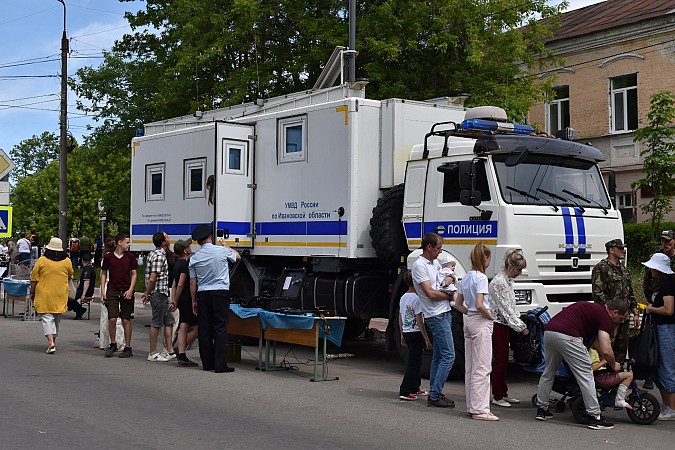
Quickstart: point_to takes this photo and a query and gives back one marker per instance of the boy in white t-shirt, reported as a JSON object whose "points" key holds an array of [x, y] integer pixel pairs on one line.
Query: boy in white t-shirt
{"points": [[414, 336]]}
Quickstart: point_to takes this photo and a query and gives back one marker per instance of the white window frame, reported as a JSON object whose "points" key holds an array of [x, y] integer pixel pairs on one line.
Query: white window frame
{"points": [[622, 197], [150, 170], [188, 166], [282, 126], [624, 94], [557, 104], [227, 145]]}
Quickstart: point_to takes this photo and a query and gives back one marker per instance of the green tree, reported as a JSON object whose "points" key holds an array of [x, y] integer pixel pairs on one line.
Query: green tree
{"points": [[34, 154], [35, 196], [658, 139]]}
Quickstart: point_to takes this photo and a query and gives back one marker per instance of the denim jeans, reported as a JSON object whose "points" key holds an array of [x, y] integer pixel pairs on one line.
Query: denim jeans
{"points": [[443, 352], [666, 371]]}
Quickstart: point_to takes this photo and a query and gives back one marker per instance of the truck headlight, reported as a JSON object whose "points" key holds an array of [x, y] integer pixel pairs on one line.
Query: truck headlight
{"points": [[523, 297]]}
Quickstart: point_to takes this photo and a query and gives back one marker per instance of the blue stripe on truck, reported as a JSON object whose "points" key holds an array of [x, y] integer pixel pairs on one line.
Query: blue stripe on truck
{"points": [[303, 228]]}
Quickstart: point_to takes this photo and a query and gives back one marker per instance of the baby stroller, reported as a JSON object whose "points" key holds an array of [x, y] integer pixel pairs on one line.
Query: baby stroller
{"points": [[645, 406]]}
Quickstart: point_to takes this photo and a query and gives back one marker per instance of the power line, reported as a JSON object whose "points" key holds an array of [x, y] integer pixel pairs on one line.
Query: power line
{"points": [[28, 98], [4, 66], [29, 15], [13, 77], [99, 32]]}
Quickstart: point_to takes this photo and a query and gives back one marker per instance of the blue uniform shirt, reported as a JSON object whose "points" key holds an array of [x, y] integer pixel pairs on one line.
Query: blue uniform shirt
{"points": [[209, 266]]}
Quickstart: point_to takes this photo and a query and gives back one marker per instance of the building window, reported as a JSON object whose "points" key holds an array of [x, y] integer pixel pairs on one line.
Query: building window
{"points": [[625, 200], [154, 182], [235, 158], [624, 105], [558, 110], [194, 177], [292, 139]]}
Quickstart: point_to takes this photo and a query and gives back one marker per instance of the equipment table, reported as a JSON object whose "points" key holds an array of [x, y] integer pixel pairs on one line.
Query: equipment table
{"points": [[273, 327]]}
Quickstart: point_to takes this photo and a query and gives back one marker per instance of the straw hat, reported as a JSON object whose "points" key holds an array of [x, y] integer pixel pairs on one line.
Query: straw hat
{"points": [[659, 262], [55, 244]]}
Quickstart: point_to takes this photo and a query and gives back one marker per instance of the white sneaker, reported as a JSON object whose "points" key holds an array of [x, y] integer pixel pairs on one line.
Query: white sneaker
{"points": [[156, 357], [667, 414], [168, 356], [513, 401], [501, 402]]}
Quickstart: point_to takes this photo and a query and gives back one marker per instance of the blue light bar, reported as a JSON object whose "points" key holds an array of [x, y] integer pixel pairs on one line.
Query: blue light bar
{"points": [[499, 127]]}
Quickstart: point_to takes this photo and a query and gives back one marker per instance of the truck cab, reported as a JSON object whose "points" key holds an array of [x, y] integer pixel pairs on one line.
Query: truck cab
{"points": [[510, 189]]}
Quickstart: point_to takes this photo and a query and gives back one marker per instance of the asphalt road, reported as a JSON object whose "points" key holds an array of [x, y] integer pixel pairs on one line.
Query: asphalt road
{"points": [[79, 399]]}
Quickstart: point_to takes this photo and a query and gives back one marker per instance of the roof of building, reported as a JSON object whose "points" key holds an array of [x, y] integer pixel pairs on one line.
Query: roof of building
{"points": [[609, 14]]}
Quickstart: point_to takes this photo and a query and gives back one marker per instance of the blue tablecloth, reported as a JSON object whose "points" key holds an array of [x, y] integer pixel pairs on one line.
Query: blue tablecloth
{"points": [[290, 321], [17, 288]]}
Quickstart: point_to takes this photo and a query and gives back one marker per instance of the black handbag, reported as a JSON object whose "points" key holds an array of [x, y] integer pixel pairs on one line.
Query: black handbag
{"points": [[644, 349]]}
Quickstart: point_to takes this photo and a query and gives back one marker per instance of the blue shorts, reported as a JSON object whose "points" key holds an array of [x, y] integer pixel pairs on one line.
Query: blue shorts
{"points": [[666, 372]]}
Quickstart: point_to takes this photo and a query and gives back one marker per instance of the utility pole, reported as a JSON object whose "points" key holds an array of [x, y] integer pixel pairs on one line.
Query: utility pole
{"points": [[63, 153]]}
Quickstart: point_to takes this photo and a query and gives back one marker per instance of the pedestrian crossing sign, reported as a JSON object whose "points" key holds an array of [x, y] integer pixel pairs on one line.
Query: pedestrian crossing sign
{"points": [[5, 221]]}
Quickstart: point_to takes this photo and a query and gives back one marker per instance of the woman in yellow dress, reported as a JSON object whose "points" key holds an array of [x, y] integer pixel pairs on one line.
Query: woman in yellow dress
{"points": [[49, 288]]}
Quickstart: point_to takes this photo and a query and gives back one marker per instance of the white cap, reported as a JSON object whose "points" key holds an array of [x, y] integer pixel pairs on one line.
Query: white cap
{"points": [[659, 262], [444, 258]]}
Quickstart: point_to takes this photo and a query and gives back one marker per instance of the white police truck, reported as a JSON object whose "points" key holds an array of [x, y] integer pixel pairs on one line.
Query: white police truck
{"points": [[326, 192]]}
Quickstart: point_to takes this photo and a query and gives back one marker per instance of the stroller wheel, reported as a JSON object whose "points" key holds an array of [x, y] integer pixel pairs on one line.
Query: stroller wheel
{"points": [[579, 411], [534, 400], [560, 406]]}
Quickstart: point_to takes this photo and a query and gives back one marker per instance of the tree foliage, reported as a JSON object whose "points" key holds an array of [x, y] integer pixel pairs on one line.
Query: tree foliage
{"points": [[34, 154], [658, 151]]}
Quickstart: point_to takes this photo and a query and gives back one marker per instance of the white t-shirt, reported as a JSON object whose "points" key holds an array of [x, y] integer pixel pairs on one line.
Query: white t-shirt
{"points": [[425, 270], [474, 283], [409, 307], [24, 245]]}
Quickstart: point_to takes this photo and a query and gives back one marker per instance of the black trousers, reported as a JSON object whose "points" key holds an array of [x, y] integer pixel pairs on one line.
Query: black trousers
{"points": [[213, 307], [412, 380]]}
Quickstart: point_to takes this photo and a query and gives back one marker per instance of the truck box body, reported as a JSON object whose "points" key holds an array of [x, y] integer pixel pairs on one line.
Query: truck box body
{"points": [[314, 202]]}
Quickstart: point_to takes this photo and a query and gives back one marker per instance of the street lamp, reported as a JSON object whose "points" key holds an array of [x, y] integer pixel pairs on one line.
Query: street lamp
{"points": [[63, 153]]}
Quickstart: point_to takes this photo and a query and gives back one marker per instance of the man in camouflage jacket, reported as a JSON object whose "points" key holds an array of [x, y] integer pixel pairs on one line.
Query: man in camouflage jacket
{"points": [[611, 279]]}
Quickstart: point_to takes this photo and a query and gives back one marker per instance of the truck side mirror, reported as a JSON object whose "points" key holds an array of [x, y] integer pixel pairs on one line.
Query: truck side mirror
{"points": [[467, 172], [470, 197]]}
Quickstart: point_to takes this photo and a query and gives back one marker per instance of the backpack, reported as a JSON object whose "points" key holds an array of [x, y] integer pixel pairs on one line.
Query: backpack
{"points": [[74, 245]]}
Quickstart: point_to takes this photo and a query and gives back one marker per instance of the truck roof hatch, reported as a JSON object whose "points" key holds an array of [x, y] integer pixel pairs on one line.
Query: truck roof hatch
{"points": [[510, 144]]}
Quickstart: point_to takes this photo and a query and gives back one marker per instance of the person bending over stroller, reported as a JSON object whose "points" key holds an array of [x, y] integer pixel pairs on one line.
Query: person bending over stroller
{"points": [[564, 339], [606, 378]]}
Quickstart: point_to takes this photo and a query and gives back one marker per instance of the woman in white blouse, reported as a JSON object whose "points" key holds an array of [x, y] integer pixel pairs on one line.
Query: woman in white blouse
{"points": [[473, 294], [503, 308]]}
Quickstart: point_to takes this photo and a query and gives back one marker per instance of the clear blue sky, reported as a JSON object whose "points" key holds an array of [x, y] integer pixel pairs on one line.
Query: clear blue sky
{"points": [[30, 45]]}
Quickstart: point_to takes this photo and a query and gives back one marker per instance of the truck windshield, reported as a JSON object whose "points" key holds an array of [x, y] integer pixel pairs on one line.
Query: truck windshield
{"points": [[554, 175]]}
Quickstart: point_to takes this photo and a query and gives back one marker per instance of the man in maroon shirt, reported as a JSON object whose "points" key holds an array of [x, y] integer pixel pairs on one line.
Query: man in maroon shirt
{"points": [[119, 269], [564, 339]]}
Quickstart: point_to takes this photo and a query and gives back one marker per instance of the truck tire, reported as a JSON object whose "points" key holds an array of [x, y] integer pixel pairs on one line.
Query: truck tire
{"points": [[241, 287], [386, 228]]}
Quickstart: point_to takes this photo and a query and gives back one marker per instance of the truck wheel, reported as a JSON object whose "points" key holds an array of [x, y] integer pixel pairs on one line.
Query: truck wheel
{"points": [[386, 228], [354, 328]]}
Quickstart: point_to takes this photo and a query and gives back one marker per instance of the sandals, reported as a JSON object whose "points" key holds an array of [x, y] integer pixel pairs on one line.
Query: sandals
{"points": [[485, 416], [51, 350]]}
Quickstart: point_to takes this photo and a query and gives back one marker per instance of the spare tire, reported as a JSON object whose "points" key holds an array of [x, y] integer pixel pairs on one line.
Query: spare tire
{"points": [[386, 228]]}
